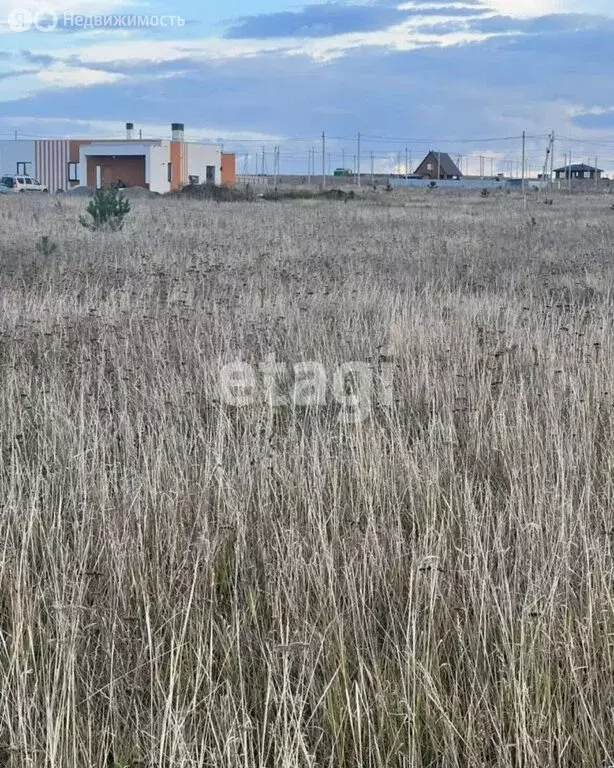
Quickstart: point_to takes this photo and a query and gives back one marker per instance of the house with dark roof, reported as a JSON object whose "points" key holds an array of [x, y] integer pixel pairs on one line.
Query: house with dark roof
{"points": [[438, 165], [578, 171]]}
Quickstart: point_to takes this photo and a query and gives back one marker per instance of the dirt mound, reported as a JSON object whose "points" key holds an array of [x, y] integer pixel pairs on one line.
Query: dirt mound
{"points": [[81, 191], [137, 192]]}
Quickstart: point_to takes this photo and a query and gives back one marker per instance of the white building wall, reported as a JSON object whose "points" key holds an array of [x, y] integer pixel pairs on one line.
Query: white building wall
{"points": [[156, 167], [202, 155], [13, 152]]}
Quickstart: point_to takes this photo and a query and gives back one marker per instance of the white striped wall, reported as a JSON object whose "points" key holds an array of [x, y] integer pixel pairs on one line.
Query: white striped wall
{"points": [[51, 159]]}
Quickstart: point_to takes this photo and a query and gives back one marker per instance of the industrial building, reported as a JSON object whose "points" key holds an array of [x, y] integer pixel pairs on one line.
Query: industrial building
{"points": [[160, 165]]}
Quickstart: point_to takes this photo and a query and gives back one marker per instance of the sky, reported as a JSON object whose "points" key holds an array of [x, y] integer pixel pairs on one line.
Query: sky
{"points": [[462, 76]]}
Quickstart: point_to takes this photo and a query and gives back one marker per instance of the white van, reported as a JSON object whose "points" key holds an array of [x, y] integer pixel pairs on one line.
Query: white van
{"points": [[21, 184]]}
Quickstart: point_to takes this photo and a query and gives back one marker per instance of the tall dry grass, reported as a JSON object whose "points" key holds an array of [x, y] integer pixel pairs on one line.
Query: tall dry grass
{"points": [[187, 584]]}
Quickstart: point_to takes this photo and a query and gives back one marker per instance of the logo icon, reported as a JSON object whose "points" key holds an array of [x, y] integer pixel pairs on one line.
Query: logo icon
{"points": [[45, 20], [23, 20], [20, 20]]}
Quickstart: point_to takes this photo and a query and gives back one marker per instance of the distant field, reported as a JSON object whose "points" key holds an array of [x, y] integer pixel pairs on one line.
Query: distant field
{"points": [[184, 582]]}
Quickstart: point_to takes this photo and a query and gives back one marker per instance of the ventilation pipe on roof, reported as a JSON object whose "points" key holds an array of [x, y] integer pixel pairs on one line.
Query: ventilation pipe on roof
{"points": [[129, 129], [177, 131]]}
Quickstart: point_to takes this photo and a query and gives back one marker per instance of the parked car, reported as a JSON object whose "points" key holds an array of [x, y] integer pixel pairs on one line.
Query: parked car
{"points": [[21, 184]]}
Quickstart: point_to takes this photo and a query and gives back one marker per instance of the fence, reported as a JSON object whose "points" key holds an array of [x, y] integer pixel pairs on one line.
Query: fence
{"points": [[398, 183]]}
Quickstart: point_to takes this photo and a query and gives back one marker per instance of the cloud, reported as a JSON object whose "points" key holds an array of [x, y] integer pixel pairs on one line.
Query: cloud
{"points": [[551, 23], [61, 76], [322, 20], [17, 73], [598, 118], [42, 59], [107, 129], [329, 19], [528, 8], [442, 28], [494, 87]]}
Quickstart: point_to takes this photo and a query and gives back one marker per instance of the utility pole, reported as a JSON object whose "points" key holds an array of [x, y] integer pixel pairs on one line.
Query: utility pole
{"points": [[343, 159], [566, 167], [323, 159], [438, 166], [372, 170], [277, 152], [552, 163], [406, 162], [524, 155], [358, 160], [569, 174], [596, 174]]}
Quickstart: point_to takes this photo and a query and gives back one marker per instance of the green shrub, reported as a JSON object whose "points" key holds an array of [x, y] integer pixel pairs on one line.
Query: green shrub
{"points": [[107, 209]]}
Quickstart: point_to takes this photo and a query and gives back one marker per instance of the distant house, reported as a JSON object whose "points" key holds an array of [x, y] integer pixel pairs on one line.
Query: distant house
{"points": [[438, 165], [578, 171]]}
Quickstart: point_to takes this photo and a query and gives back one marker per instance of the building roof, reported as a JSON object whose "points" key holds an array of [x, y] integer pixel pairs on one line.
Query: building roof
{"points": [[578, 167], [447, 166]]}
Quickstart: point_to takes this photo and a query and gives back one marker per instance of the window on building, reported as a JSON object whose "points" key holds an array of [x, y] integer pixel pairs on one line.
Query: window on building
{"points": [[194, 179], [22, 169], [210, 174], [170, 172], [429, 166], [73, 172]]}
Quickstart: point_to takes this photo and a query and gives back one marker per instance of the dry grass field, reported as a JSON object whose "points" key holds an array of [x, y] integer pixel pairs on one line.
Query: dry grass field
{"points": [[187, 583]]}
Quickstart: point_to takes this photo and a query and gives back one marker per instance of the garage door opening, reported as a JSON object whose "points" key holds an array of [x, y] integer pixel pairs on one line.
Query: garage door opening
{"points": [[128, 170]]}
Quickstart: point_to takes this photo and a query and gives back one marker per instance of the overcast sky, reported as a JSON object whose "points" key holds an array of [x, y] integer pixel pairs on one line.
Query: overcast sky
{"points": [[454, 75]]}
